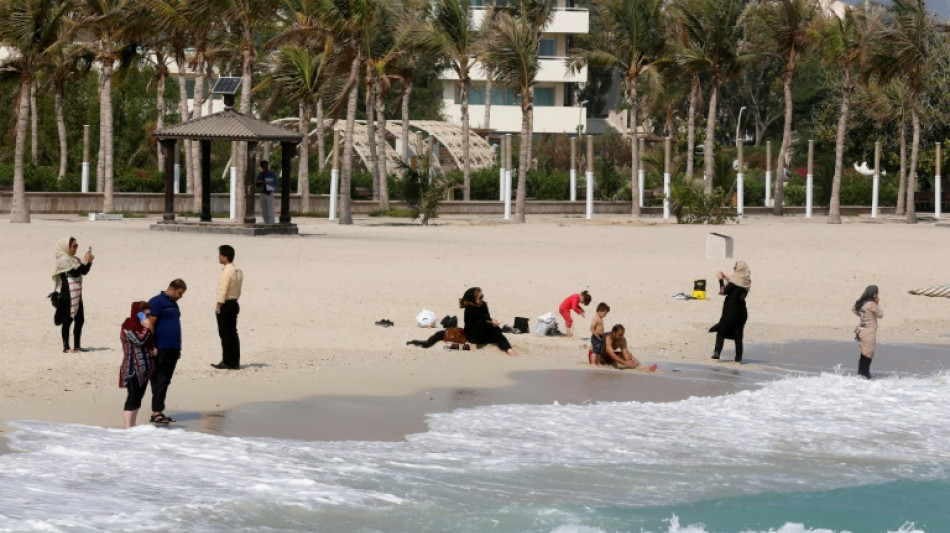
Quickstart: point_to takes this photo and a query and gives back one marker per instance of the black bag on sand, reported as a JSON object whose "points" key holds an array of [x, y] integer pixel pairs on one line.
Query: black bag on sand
{"points": [[450, 322], [521, 324]]}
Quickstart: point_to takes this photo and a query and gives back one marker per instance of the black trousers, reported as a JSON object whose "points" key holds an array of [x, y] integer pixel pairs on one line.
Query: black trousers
{"points": [[227, 330], [162, 376], [719, 342], [864, 366], [133, 400], [77, 323]]}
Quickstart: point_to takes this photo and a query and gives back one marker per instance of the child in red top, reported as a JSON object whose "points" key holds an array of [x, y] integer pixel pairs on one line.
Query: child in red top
{"points": [[572, 303]]}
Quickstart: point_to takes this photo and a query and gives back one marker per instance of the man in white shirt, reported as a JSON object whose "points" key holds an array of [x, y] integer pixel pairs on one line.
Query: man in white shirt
{"points": [[229, 290]]}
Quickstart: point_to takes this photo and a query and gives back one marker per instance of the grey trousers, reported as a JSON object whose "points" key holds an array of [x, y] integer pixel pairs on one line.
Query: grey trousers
{"points": [[267, 208]]}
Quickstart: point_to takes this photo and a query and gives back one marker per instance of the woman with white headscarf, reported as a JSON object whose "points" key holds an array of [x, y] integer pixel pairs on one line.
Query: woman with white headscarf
{"points": [[67, 282], [734, 313]]}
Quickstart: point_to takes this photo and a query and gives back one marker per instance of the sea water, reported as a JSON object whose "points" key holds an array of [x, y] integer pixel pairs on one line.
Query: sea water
{"points": [[827, 453]]}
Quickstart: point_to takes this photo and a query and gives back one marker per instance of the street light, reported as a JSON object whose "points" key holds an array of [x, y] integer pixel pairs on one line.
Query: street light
{"points": [[739, 123], [580, 109]]}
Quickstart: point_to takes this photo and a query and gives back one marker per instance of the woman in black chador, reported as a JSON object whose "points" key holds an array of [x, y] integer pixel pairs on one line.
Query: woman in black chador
{"points": [[480, 328], [734, 314]]}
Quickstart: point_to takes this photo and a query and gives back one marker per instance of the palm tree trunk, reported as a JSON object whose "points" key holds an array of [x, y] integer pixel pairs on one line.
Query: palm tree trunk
{"points": [[368, 103], [786, 142], [523, 155], [196, 111], [106, 131], [34, 127], [834, 207], [160, 108], [912, 175], [303, 164], [183, 109], [321, 138], [902, 180], [381, 148], [488, 88], [691, 128], [466, 164], [61, 133], [247, 68], [19, 209], [709, 149], [633, 102], [346, 215], [406, 95]]}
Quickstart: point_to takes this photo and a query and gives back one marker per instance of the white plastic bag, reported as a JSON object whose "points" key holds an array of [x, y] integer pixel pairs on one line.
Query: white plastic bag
{"points": [[546, 323], [425, 319]]}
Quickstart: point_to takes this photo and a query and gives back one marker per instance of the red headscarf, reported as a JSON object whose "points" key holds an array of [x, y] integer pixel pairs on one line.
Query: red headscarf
{"points": [[133, 322]]}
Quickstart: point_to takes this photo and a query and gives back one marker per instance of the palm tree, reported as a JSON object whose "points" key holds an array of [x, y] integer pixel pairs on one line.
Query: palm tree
{"points": [[780, 28], [66, 65], [904, 49], [633, 40], [512, 45], [31, 29], [301, 77], [713, 31], [112, 25], [844, 44], [887, 105], [453, 37]]}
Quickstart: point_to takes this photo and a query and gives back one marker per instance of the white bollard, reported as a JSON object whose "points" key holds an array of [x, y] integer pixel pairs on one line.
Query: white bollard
{"points": [[334, 191], [573, 184], [507, 191], [809, 184], [85, 176], [740, 194], [666, 195], [590, 194], [233, 193], [768, 188], [937, 194], [876, 180], [501, 184], [641, 178]]}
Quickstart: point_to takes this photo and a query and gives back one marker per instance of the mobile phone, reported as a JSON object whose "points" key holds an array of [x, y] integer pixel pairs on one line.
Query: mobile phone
{"points": [[90, 249], [141, 316]]}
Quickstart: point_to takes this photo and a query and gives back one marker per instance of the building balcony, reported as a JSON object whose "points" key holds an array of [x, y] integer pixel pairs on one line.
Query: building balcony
{"points": [[507, 118], [568, 20], [552, 70]]}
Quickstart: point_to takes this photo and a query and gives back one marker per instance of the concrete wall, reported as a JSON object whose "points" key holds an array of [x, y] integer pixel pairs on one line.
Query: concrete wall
{"points": [[154, 204]]}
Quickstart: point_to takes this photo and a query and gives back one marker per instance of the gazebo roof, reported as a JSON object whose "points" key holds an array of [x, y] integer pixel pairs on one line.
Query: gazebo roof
{"points": [[227, 125]]}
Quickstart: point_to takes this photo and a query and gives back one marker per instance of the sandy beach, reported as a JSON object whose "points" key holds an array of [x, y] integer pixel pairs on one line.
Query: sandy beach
{"points": [[310, 302]]}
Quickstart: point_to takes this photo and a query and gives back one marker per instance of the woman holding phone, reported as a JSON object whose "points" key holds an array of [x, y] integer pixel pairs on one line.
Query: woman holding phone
{"points": [[67, 281]]}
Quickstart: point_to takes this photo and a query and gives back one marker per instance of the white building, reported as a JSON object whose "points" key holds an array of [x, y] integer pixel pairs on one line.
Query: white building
{"points": [[554, 111]]}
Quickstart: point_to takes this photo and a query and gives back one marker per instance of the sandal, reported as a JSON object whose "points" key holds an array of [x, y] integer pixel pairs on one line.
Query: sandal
{"points": [[161, 419]]}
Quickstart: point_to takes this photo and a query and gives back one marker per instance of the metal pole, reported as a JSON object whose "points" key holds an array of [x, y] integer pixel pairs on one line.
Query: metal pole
{"points": [[573, 169], [507, 187], [768, 173], [666, 177], [85, 158], [809, 179], [502, 157], [335, 176], [740, 182], [233, 192], [876, 180], [938, 196], [177, 171], [590, 176]]}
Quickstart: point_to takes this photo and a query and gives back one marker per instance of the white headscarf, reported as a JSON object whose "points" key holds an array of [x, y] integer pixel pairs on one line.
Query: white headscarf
{"points": [[65, 260], [741, 275]]}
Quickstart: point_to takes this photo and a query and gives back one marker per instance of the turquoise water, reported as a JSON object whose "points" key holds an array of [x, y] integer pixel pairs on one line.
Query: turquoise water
{"points": [[829, 453]]}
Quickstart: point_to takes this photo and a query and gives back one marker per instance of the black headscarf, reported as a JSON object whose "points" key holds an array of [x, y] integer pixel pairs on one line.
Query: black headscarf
{"points": [[469, 297], [868, 295]]}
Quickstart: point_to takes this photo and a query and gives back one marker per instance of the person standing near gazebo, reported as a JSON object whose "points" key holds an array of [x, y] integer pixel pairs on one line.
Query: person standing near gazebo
{"points": [[267, 184]]}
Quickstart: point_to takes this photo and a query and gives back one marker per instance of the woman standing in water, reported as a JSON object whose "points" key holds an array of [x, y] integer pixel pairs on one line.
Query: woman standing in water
{"points": [[869, 310], [734, 313]]}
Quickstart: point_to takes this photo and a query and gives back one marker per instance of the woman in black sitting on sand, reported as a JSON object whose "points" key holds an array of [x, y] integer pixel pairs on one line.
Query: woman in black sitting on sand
{"points": [[480, 328]]}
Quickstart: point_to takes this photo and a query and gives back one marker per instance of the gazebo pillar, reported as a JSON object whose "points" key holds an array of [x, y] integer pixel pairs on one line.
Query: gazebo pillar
{"points": [[168, 145], [205, 180], [287, 152], [250, 183]]}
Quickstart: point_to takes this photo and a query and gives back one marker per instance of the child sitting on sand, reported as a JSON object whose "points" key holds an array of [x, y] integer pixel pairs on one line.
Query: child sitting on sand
{"points": [[616, 353], [572, 303], [597, 333]]}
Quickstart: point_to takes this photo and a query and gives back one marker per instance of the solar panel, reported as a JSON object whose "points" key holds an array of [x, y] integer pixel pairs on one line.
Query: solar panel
{"points": [[226, 85]]}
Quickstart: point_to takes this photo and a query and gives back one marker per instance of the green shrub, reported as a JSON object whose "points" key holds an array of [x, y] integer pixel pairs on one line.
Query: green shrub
{"points": [[794, 194], [691, 205], [753, 191]]}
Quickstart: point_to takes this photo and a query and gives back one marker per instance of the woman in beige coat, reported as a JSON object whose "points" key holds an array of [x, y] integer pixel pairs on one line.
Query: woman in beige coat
{"points": [[869, 310]]}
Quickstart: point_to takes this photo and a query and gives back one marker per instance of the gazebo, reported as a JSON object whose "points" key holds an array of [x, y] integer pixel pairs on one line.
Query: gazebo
{"points": [[227, 125]]}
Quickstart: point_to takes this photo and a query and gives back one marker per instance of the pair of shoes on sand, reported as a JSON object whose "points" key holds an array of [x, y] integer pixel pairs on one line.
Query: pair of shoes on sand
{"points": [[385, 323], [456, 346]]}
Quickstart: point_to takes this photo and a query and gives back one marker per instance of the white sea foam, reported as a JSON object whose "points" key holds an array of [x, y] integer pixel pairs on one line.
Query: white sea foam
{"points": [[801, 434]]}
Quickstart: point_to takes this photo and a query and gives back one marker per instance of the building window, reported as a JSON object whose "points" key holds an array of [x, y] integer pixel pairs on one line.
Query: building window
{"points": [[547, 48], [499, 96], [544, 96]]}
